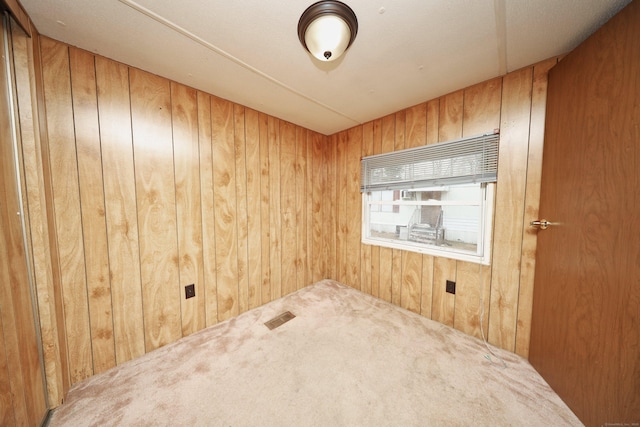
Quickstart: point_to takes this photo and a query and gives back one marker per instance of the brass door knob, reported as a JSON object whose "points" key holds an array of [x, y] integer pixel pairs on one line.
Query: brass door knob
{"points": [[542, 223]]}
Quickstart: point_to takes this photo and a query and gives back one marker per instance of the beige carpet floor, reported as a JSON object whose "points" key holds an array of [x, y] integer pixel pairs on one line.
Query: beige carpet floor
{"points": [[346, 359]]}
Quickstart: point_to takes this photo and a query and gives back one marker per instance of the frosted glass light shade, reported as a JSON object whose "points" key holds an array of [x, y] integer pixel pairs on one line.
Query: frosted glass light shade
{"points": [[327, 37], [327, 28]]}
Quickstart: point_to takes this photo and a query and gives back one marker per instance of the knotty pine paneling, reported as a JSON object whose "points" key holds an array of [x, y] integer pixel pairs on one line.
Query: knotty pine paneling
{"points": [[156, 186], [500, 294]]}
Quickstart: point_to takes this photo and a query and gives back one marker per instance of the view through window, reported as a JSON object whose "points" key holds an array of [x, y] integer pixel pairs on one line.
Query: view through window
{"points": [[435, 199], [445, 220]]}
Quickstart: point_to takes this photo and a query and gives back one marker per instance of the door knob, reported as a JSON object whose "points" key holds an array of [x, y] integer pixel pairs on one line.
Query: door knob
{"points": [[542, 223]]}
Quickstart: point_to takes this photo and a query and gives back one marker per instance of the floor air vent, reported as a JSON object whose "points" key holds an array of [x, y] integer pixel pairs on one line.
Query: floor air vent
{"points": [[279, 320]]}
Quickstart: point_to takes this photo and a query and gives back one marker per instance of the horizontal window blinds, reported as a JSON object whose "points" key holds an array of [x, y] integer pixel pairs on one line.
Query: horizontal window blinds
{"points": [[468, 160]]}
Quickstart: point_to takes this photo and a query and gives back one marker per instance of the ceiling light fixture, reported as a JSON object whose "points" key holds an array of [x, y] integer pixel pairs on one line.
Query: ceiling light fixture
{"points": [[327, 29]]}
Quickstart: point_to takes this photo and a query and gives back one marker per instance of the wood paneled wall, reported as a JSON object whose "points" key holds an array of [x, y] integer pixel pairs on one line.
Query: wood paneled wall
{"points": [[37, 199], [156, 186], [23, 400], [500, 294], [46, 257]]}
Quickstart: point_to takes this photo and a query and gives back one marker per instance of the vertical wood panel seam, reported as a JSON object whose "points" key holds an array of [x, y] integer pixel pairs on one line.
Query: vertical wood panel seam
{"points": [[258, 175], [246, 203], [455, 279], [299, 209], [296, 167], [106, 219], [433, 271], [524, 208], [201, 309], [235, 188], [213, 183], [519, 242], [212, 243], [75, 145], [493, 229], [279, 177], [135, 192], [37, 150], [175, 204], [437, 128], [53, 233], [455, 296]]}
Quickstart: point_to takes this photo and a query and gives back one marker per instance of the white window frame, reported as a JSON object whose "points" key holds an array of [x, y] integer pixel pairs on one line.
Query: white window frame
{"points": [[466, 161]]}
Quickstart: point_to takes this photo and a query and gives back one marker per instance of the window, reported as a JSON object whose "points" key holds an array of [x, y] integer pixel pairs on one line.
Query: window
{"points": [[436, 199]]}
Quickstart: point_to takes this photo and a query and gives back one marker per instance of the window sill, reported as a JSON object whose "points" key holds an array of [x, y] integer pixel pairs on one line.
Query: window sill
{"points": [[442, 252]]}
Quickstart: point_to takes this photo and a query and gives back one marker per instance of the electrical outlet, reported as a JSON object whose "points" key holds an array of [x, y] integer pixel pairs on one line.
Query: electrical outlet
{"points": [[189, 291], [451, 286]]}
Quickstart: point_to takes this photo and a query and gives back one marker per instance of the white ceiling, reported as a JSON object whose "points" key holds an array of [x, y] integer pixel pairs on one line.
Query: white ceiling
{"points": [[247, 51]]}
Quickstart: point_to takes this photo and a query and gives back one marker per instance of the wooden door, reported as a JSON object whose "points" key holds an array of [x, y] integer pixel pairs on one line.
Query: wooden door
{"points": [[22, 392], [585, 338]]}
